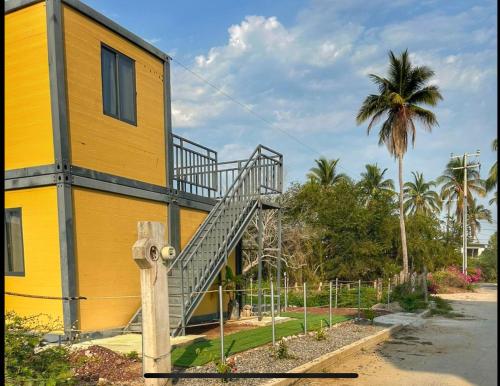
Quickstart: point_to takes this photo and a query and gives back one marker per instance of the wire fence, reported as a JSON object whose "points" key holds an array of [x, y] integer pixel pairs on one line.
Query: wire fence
{"points": [[300, 302]]}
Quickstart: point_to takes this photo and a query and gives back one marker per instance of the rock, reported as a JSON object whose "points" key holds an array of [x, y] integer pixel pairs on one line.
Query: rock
{"points": [[102, 381]]}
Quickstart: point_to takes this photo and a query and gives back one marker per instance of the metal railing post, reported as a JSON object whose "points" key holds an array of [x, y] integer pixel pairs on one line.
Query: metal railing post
{"points": [[183, 304]]}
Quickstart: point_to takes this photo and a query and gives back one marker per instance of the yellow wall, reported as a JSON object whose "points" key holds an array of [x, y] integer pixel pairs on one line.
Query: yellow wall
{"points": [[28, 124], [101, 142], [190, 220], [41, 253], [105, 231]]}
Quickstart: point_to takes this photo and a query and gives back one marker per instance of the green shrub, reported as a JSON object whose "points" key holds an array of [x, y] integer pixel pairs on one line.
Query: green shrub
{"points": [[412, 302], [321, 332], [281, 350], [26, 360], [133, 355], [408, 300], [369, 314]]}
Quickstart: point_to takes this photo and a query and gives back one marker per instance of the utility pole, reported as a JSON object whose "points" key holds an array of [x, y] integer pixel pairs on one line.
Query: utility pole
{"points": [[464, 214]]}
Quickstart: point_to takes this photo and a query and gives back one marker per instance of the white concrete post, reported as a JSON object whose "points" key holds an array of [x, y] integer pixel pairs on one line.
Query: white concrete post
{"points": [[149, 255]]}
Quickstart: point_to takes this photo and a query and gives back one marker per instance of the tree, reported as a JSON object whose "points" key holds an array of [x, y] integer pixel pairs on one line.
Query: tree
{"points": [[452, 189], [476, 213], [488, 261], [419, 197], [325, 172], [491, 182], [372, 182], [398, 102], [428, 244]]}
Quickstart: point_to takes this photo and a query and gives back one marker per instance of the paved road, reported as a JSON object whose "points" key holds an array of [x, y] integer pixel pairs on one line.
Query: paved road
{"points": [[460, 351]]}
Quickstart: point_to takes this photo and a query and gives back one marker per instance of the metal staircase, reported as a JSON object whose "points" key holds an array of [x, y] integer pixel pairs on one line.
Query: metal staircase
{"points": [[240, 189]]}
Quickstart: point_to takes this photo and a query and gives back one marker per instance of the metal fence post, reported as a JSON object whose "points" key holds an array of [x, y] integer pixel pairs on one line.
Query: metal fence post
{"points": [[359, 298], [425, 284], [272, 313], [388, 293], [221, 316], [286, 291], [330, 304], [336, 290], [251, 295], [305, 308]]}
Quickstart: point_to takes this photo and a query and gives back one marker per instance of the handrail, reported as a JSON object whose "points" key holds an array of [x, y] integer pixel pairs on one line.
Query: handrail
{"points": [[196, 240]]}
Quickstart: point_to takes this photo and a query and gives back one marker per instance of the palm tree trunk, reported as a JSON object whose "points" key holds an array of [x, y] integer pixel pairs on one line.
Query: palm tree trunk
{"points": [[402, 219]]}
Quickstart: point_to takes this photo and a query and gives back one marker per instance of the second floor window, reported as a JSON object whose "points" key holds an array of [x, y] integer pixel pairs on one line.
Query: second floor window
{"points": [[118, 85]]}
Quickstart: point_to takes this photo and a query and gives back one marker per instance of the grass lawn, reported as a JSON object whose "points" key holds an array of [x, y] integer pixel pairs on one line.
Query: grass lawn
{"points": [[244, 340]]}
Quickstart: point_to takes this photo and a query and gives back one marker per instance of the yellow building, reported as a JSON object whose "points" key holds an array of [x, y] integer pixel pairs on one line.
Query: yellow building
{"points": [[89, 152]]}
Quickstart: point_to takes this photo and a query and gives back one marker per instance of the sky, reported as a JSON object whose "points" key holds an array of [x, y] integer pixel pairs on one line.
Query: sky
{"points": [[303, 65]]}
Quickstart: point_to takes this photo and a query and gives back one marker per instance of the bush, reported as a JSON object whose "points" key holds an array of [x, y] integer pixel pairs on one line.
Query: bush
{"points": [[409, 301], [281, 350], [133, 355], [432, 287], [26, 360], [453, 277], [321, 332], [369, 314], [412, 302], [227, 367]]}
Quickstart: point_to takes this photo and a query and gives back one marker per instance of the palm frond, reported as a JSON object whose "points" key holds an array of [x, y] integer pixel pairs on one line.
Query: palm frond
{"points": [[429, 95]]}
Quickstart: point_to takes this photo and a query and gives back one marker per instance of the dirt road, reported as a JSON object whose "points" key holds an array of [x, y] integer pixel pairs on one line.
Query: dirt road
{"points": [[458, 351]]}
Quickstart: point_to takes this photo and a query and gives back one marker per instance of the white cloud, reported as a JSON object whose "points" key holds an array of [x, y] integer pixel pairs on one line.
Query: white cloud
{"points": [[309, 79]]}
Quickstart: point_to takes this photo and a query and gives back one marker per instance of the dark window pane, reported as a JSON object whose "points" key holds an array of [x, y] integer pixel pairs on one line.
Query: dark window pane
{"points": [[108, 68], [126, 88], [13, 237]]}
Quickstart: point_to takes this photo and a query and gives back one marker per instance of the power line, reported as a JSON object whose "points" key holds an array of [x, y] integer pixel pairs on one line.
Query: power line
{"points": [[251, 111]]}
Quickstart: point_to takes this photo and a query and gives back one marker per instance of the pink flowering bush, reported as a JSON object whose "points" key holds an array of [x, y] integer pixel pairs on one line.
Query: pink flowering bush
{"points": [[453, 277]]}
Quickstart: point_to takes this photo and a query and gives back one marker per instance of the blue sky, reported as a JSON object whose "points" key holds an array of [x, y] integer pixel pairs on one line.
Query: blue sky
{"points": [[303, 66]]}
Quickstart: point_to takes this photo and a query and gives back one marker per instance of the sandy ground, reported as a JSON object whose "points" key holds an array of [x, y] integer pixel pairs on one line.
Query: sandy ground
{"points": [[459, 351]]}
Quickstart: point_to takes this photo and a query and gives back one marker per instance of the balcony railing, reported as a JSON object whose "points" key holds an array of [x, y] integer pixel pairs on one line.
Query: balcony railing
{"points": [[197, 171], [195, 167]]}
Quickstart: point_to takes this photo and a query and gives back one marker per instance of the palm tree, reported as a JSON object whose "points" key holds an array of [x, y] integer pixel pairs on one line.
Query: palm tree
{"points": [[372, 182], [398, 102], [452, 189], [325, 172], [476, 213], [491, 182], [419, 196]]}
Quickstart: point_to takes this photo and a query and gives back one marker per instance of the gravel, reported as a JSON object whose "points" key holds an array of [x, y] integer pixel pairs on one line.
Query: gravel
{"points": [[302, 348]]}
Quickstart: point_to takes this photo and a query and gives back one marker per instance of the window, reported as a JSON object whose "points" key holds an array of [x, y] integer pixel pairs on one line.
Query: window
{"points": [[118, 85], [13, 233]]}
